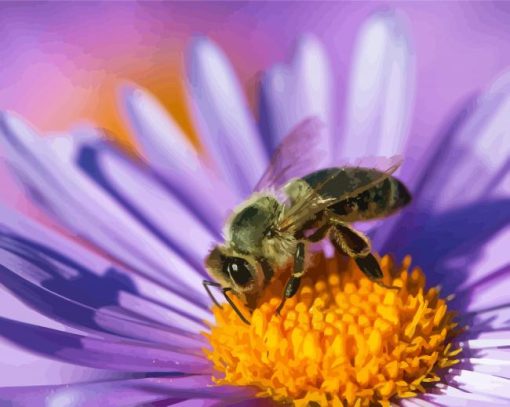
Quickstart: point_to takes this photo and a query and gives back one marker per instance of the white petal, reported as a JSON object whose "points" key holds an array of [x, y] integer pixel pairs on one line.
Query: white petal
{"points": [[486, 343], [380, 94], [415, 402], [225, 124], [494, 367], [451, 396], [489, 362]]}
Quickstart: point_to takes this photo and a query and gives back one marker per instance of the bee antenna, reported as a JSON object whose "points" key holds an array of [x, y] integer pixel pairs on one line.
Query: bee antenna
{"points": [[206, 285], [234, 306], [389, 287]]}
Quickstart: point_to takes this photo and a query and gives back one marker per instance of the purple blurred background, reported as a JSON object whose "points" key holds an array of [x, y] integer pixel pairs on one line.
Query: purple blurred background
{"points": [[62, 62]]}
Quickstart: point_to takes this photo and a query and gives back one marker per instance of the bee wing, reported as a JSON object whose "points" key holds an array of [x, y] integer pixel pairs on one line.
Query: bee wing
{"points": [[386, 165], [314, 201], [301, 152]]}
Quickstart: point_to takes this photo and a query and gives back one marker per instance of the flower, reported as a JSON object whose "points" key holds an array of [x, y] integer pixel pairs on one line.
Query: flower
{"points": [[124, 278]]}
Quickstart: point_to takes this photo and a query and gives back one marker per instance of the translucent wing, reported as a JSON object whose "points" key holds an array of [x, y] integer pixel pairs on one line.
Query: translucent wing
{"points": [[314, 201], [302, 151]]}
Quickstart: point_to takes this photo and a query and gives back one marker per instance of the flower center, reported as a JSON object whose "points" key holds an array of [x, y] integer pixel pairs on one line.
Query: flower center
{"points": [[341, 339]]}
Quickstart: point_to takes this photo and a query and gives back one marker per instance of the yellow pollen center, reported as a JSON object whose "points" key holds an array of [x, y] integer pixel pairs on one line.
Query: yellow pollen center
{"points": [[342, 339]]}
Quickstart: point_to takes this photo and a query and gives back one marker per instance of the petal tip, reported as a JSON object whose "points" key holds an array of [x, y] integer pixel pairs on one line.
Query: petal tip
{"points": [[203, 57], [129, 92], [308, 40], [501, 85], [15, 123], [392, 23], [202, 47], [309, 49]]}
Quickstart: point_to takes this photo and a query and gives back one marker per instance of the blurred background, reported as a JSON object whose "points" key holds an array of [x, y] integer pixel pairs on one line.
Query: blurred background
{"points": [[63, 62]]}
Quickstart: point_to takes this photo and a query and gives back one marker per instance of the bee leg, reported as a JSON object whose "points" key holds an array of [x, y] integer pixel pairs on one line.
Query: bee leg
{"points": [[356, 245], [295, 279], [349, 241], [319, 234]]}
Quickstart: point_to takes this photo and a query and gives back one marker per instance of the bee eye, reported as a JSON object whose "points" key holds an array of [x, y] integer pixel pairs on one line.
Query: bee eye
{"points": [[239, 271]]}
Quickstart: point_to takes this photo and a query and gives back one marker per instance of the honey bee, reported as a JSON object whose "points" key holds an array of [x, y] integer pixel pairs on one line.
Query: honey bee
{"points": [[294, 205]]}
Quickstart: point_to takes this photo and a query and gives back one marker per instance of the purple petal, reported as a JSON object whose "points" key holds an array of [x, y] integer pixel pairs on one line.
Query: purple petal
{"points": [[294, 92], [26, 273], [26, 368], [491, 322], [490, 333], [473, 147], [480, 383], [122, 392], [170, 154], [419, 163], [450, 396], [201, 403], [125, 356], [160, 138], [490, 292], [380, 95], [144, 331], [477, 149], [141, 195], [75, 272], [91, 213], [152, 311], [451, 245], [494, 260], [226, 126]]}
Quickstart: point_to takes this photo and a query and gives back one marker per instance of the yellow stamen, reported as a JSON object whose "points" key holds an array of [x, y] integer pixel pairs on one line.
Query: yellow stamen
{"points": [[341, 339]]}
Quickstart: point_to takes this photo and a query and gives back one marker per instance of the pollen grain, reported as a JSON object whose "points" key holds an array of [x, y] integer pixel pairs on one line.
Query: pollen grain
{"points": [[342, 340]]}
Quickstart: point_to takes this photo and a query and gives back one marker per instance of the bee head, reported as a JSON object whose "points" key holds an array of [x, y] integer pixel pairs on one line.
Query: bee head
{"points": [[242, 273]]}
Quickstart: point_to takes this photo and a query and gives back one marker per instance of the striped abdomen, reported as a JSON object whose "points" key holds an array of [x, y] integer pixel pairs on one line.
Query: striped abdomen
{"points": [[380, 200]]}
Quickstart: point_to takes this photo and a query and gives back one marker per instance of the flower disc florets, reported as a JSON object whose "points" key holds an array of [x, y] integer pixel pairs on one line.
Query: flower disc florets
{"points": [[341, 339]]}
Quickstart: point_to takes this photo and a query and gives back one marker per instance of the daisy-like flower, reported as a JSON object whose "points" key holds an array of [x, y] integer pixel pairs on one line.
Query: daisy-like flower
{"points": [[124, 275]]}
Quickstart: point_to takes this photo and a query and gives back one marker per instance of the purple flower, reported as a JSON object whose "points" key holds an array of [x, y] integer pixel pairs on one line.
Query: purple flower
{"points": [[124, 280]]}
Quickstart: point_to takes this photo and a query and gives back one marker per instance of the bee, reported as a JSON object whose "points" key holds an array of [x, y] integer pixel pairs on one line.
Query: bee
{"points": [[293, 205]]}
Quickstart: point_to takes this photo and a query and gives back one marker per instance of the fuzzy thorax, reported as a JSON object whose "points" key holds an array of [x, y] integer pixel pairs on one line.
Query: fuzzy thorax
{"points": [[252, 230]]}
